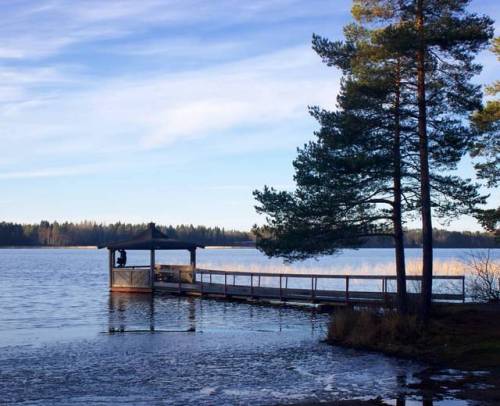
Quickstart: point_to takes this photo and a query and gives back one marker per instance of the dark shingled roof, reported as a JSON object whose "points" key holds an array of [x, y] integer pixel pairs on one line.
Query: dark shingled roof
{"points": [[152, 239]]}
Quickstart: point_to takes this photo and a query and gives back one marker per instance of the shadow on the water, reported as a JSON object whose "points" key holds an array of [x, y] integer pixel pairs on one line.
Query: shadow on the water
{"points": [[138, 312], [135, 312], [130, 309], [427, 400]]}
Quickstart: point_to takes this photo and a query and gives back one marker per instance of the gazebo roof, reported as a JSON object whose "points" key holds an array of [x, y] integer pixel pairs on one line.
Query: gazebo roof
{"points": [[152, 239]]}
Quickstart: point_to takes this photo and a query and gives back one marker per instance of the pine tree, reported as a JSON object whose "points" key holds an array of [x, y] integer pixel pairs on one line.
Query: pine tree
{"points": [[346, 177], [487, 124], [441, 38], [486, 147], [349, 180], [378, 72]]}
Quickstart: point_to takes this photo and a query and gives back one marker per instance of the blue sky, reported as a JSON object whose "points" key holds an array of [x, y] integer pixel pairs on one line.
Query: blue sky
{"points": [[158, 110]]}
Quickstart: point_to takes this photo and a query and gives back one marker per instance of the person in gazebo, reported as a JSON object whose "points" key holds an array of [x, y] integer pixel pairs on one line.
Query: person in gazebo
{"points": [[122, 259]]}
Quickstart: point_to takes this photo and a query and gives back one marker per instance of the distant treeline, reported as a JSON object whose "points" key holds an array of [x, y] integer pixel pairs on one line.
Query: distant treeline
{"points": [[442, 239], [89, 233]]}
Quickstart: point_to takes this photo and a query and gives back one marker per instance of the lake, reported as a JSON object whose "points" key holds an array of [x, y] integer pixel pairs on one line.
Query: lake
{"points": [[55, 346]]}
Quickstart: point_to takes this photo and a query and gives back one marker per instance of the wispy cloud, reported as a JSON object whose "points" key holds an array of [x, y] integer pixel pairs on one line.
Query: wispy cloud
{"points": [[34, 30], [65, 105], [183, 47], [130, 112], [52, 172]]}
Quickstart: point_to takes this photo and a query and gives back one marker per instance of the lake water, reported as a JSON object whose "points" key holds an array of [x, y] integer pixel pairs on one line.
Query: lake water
{"points": [[56, 312]]}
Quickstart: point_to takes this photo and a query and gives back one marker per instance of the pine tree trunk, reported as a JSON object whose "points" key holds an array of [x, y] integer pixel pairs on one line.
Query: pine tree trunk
{"points": [[426, 298], [397, 213]]}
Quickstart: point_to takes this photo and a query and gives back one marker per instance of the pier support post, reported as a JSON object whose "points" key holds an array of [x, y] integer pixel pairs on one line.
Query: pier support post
{"points": [[281, 291], [347, 289], [463, 288], [192, 262], [225, 284], [152, 269]]}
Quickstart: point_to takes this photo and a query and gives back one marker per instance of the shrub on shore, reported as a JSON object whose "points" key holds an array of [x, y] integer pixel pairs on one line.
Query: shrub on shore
{"points": [[484, 284]]}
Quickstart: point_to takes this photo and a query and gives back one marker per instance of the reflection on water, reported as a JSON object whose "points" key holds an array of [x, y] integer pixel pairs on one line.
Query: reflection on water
{"points": [[124, 307], [133, 313]]}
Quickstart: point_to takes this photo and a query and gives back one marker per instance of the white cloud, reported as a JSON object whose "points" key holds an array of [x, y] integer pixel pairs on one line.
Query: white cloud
{"points": [[182, 47], [127, 113], [52, 172], [34, 30]]}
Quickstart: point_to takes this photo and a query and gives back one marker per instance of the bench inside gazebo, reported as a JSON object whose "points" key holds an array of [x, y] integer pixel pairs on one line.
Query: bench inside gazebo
{"points": [[142, 278]]}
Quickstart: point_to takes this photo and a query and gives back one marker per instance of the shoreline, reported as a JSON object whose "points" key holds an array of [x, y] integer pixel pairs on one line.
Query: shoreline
{"points": [[462, 338], [90, 247], [19, 247], [221, 247]]}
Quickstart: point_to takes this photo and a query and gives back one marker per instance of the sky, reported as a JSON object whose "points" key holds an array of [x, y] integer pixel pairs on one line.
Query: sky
{"points": [[160, 110]]}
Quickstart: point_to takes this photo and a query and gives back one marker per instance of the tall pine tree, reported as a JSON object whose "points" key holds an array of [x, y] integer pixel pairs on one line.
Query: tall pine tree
{"points": [[441, 38], [363, 170], [349, 179]]}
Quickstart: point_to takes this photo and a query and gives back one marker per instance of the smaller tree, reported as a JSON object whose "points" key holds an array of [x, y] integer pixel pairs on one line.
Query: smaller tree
{"points": [[484, 285], [486, 148], [486, 122]]}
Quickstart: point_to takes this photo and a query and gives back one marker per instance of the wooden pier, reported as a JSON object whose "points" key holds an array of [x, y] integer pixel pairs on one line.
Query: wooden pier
{"points": [[257, 286], [278, 287]]}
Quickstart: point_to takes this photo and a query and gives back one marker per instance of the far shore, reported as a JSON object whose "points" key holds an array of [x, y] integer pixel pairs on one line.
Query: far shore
{"points": [[91, 247], [79, 247], [223, 247]]}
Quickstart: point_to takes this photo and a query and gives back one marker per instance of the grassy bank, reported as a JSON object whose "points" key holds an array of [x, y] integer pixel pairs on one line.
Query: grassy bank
{"points": [[458, 336], [462, 336]]}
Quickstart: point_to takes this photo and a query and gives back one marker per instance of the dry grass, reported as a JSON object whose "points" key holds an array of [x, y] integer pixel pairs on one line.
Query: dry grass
{"points": [[366, 328], [462, 335]]}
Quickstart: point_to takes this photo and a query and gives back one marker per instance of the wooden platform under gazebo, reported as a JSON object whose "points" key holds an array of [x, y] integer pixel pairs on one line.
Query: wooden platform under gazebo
{"points": [[142, 278]]}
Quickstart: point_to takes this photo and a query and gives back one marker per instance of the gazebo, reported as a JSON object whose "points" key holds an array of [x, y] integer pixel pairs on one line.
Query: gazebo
{"points": [[141, 278]]}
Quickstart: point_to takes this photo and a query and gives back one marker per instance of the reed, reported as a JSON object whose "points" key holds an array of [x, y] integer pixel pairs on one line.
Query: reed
{"points": [[441, 267]]}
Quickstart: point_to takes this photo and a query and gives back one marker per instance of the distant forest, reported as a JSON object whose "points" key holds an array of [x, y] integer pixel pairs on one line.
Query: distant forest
{"points": [[89, 233]]}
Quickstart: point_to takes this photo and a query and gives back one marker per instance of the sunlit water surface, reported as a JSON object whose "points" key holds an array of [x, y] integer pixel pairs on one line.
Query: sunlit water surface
{"points": [[55, 347]]}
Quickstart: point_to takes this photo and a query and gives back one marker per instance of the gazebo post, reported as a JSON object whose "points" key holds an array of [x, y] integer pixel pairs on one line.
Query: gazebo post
{"points": [[152, 269], [192, 261], [111, 264]]}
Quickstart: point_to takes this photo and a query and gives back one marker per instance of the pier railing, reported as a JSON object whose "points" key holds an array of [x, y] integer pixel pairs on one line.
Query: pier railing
{"points": [[310, 287]]}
